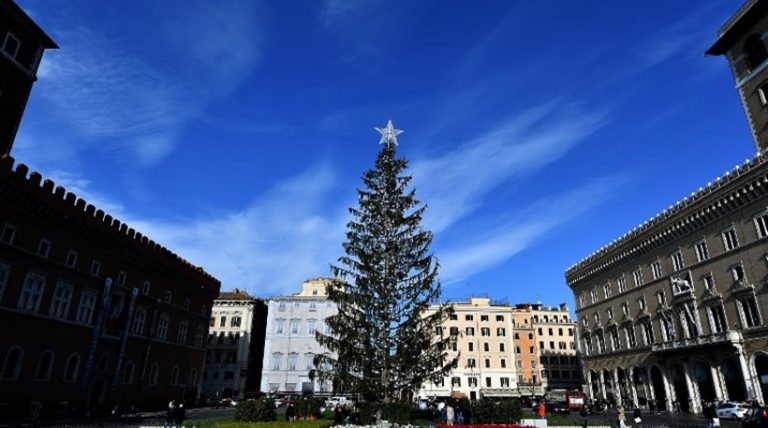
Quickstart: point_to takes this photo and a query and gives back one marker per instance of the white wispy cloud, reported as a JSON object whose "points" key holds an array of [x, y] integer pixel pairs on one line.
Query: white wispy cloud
{"points": [[456, 183], [140, 103], [498, 244]]}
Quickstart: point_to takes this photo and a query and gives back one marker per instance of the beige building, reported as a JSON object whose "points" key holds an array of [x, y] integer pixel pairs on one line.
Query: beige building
{"points": [[675, 310], [482, 334], [556, 346]]}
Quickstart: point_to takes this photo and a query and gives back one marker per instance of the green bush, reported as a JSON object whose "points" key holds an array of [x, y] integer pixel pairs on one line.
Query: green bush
{"points": [[308, 407], [488, 411], [261, 410]]}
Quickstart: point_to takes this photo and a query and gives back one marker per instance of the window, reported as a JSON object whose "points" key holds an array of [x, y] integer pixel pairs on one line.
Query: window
{"points": [[472, 381], [471, 362], [624, 311], [503, 363], [717, 320], [486, 347], [631, 340], [95, 268], [505, 382], [581, 300], [730, 241], [168, 297], [281, 306], [312, 306], [181, 335], [622, 284], [223, 322], [501, 347], [469, 317], [71, 258], [677, 260], [11, 45], [236, 320], [470, 331], [485, 331], [309, 361], [709, 282], [738, 273], [60, 303], [44, 366], [609, 313], [12, 364], [454, 317], [32, 293], [456, 381], [748, 310], [755, 51], [139, 320], [501, 331], [71, 368], [121, 277], [276, 360], [470, 346], [761, 223], [162, 327], [488, 382], [154, 374], [9, 233], [667, 328], [44, 248], [661, 297], [311, 327], [637, 275], [279, 326], [130, 368], [607, 290], [597, 317], [86, 306], [294, 326], [593, 296], [487, 363], [483, 318], [146, 287], [500, 318], [641, 304], [656, 270], [550, 329], [702, 253], [199, 337]]}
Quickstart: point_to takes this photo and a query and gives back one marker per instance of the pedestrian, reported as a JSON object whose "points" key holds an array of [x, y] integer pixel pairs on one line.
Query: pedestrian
{"points": [[289, 413], [711, 414], [169, 414], [542, 410], [652, 406], [622, 417], [338, 418], [444, 413], [449, 414], [179, 414], [636, 415], [459, 416]]}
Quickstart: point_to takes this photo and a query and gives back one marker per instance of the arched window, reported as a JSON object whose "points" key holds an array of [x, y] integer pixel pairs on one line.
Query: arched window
{"points": [[130, 368], [139, 320], [754, 48], [154, 374], [162, 327], [175, 375], [44, 366], [12, 364], [72, 368]]}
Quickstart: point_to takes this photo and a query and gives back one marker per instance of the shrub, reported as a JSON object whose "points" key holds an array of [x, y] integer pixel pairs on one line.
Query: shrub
{"points": [[398, 413], [487, 411], [308, 407], [261, 410]]}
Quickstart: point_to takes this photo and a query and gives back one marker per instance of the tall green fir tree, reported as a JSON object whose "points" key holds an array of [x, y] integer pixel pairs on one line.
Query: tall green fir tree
{"points": [[384, 342]]}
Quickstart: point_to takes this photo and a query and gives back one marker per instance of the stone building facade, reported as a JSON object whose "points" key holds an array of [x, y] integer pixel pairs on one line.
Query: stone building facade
{"points": [[483, 341], [555, 334], [675, 310], [290, 345], [233, 362]]}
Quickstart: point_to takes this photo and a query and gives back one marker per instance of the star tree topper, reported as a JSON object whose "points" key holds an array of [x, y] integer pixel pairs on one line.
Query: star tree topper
{"points": [[389, 134]]}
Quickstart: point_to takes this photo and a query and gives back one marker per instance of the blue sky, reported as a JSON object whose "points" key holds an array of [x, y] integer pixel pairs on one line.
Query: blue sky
{"points": [[236, 132]]}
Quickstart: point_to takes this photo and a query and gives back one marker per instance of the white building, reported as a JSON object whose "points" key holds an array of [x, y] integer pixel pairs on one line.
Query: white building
{"points": [[290, 345], [233, 359]]}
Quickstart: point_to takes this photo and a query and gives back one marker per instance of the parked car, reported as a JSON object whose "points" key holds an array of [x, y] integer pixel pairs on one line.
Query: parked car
{"points": [[731, 411], [755, 417], [228, 402], [558, 407], [332, 402]]}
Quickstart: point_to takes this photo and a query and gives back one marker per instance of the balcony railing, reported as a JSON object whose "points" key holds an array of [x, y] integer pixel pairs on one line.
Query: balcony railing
{"points": [[693, 342]]}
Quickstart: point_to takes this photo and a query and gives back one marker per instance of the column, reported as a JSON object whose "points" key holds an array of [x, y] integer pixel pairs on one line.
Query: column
{"points": [[601, 382], [670, 391], [631, 386], [616, 387], [746, 373], [694, 404]]}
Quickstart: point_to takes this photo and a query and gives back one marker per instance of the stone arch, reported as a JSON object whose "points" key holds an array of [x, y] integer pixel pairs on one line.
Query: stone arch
{"points": [[760, 364], [702, 376], [656, 381], [678, 381], [594, 380], [734, 379], [623, 384], [607, 379], [639, 378]]}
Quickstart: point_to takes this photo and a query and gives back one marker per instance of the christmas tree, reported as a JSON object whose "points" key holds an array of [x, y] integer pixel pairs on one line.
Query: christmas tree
{"points": [[385, 341]]}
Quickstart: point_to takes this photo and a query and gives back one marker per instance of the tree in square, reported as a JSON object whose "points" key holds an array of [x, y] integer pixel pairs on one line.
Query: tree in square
{"points": [[384, 339]]}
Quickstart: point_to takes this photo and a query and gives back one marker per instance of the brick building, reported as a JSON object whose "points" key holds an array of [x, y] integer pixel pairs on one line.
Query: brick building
{"points": [[233, 362], [94, 313], [674, 310]]}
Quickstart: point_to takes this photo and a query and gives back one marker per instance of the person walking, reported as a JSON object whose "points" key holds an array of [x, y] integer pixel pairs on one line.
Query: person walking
{"points": [[179, 414], [449, 413], [636, 415], [622, 417], [169, 414], [713, 421], [542, 410], [290, 412]]}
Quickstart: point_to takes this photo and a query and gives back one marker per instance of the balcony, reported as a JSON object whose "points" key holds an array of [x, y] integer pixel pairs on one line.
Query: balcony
{"points": [[727, 337]]}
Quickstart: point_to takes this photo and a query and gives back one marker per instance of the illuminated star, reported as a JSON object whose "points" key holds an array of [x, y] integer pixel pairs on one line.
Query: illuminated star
{"points": [[389, 134]]}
